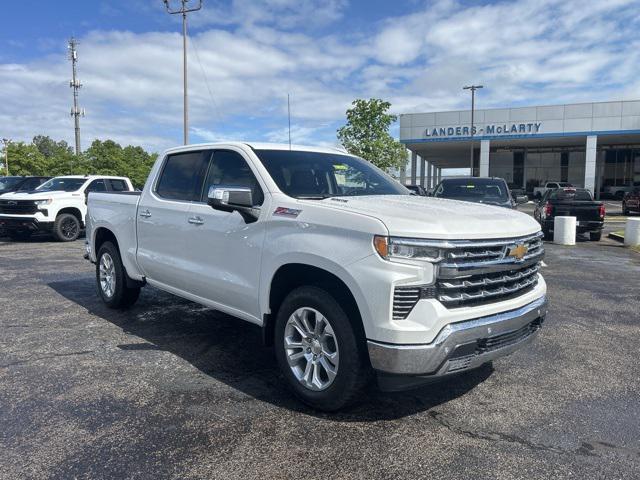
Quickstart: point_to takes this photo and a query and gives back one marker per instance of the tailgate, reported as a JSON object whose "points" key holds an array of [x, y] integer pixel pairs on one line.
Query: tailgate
{"points": [[583, 211]]}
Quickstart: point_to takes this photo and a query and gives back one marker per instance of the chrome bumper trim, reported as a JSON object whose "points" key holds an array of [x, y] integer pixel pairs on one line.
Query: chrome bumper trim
{"points": [[457, 347]]}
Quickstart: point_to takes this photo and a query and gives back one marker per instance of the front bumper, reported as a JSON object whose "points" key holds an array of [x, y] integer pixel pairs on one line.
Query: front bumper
{"points": [[463, 345], [31, 224]]}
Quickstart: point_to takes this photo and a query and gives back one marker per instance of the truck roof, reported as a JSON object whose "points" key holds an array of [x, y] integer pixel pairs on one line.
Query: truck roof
{"points": [[90, 177], [258, 146]]}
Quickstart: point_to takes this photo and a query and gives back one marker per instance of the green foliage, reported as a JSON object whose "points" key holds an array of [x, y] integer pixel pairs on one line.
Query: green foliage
{"points": [[45, 156], [366, 134]]}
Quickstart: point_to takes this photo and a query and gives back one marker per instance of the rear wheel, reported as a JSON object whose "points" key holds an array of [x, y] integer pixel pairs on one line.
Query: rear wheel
{"points": [[111, 278], [66, 228], [625, 210], [319, 351], [595, 236], [547, 234]]}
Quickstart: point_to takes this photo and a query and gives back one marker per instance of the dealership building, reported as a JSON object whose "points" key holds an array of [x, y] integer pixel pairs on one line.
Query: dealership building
{"points": [[591, 145]]}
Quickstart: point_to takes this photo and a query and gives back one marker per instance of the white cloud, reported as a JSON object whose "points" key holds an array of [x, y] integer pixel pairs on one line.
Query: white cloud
{"points": [[529, 51]]}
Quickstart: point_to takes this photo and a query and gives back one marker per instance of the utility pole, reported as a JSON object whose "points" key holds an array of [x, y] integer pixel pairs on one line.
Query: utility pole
{"points": [[75, 84], [473, 89], [183, 11], [6, 142]]}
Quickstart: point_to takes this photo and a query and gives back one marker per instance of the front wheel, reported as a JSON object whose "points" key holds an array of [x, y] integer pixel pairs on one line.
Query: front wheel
{"points": [[112, 279], [595, 236], [319, 351], [66, 228]]}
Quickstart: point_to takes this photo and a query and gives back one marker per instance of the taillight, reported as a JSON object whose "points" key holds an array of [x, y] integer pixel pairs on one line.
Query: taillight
{"points": [[602, 211], [548, 209]]}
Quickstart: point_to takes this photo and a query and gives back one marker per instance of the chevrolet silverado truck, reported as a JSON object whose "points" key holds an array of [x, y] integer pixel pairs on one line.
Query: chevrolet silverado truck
{"points": [[346, 272], [538, 192], [571, 202], [57, 206]]}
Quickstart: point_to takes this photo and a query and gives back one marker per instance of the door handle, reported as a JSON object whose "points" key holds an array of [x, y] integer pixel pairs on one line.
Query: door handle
{"points": [[145, 214], [196, 220]]}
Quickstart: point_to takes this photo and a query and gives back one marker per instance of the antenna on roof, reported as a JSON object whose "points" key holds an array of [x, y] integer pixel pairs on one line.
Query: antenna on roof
{"points": [[289, 117]]}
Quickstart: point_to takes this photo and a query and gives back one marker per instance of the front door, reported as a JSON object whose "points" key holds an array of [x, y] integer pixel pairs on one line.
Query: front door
{"points": [[223, 249], [163, 216]]}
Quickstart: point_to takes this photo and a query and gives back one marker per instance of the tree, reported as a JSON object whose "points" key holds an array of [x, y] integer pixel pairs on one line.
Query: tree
{"points": [[366, 134], [26, 159]]}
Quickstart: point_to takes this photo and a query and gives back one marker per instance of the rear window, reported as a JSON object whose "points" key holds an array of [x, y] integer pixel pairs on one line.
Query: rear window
{"points": [[183, 175], [578, 195], [473, 189], [118, 185]]}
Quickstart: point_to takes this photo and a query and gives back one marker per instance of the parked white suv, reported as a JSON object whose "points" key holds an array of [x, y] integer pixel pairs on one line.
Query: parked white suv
{"points": [[57, 206], [344, 270]]}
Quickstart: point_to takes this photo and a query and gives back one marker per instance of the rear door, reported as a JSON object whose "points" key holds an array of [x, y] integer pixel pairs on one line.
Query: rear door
{"points": [[162, 218]]}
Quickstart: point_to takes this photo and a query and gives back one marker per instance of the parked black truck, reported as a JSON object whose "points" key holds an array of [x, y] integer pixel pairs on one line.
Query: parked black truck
{"points": [[571, 202]]}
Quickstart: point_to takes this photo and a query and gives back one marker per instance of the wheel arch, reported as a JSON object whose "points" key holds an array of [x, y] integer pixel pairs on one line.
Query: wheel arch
{"points": [[289, 276], [73, 211], [101, 235]]}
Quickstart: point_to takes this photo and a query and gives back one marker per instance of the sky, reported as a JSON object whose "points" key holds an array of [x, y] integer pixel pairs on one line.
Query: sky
{"points": [[245, 56]]}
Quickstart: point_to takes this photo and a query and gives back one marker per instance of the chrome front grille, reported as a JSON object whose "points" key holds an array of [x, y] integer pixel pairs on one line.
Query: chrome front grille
{"points": [[486, 288], [486, 271], [475, 272]]}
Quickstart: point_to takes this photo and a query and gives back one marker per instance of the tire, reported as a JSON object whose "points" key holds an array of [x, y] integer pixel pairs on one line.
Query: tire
{"points": [[625, 210], [111, 279], [20, 235], [66, 228], [547, 234], [595, 236], [343, 345]]}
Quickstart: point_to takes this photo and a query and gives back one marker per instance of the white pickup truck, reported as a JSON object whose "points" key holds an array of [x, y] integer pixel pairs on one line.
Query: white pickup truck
{"points": [[345, 271], [538, 192], [57, 206]]}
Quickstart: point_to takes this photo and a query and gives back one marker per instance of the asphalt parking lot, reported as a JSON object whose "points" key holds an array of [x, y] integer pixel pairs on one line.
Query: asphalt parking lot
{"points": [[172, 389]]}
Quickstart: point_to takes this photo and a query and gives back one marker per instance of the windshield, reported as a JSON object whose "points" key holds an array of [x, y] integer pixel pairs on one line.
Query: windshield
{"points": [[8, 182], [321, 175], [564, 184], [473, 190], [62, 183]]}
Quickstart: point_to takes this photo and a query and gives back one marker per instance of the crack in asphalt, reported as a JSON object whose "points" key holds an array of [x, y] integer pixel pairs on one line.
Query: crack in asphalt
{"points": [[45, 357], [589, 449]]}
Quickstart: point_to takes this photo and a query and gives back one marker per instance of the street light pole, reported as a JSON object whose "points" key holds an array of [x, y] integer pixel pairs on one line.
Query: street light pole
{"points": [[473, 89], [6, 142], [183, 11]]}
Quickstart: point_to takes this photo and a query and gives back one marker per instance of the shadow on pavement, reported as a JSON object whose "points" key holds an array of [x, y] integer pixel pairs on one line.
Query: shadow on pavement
{"points": [[231, 351]]}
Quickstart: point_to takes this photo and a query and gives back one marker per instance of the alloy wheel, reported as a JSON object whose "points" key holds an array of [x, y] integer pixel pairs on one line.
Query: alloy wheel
{"points": [[69, 228], [311, 348], [107, 275]]}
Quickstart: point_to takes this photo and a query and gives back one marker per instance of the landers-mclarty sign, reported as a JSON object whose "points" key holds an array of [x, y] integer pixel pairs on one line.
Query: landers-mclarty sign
{"points": [[504, 129]]}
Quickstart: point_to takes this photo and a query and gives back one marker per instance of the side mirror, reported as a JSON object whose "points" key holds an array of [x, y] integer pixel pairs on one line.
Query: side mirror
{"points": [[233, 199], [520, 199]]}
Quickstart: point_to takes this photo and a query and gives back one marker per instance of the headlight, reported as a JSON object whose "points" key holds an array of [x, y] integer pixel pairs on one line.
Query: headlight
{"points": [[391, 248], [43, 202]]}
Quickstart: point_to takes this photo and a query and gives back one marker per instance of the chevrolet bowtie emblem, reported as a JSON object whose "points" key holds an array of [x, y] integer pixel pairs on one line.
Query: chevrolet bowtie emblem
{"points": [[518, 251]]}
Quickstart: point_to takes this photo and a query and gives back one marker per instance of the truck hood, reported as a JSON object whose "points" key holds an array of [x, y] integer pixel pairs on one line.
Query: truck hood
{"points": [[37, 195], [438, 218]]}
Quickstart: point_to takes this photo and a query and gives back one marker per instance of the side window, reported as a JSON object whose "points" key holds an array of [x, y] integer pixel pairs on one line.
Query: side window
{"points": [[182, 176], [96, 186], [230, 169], [439, 190], [117, 185]]}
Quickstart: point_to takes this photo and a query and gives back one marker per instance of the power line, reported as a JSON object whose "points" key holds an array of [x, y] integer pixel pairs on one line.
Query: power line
{"points": [[206, 79], [75, 84]]}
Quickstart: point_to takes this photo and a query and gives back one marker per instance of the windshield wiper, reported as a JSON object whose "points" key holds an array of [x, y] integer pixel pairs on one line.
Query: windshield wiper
{"points": [[313, 197]]}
